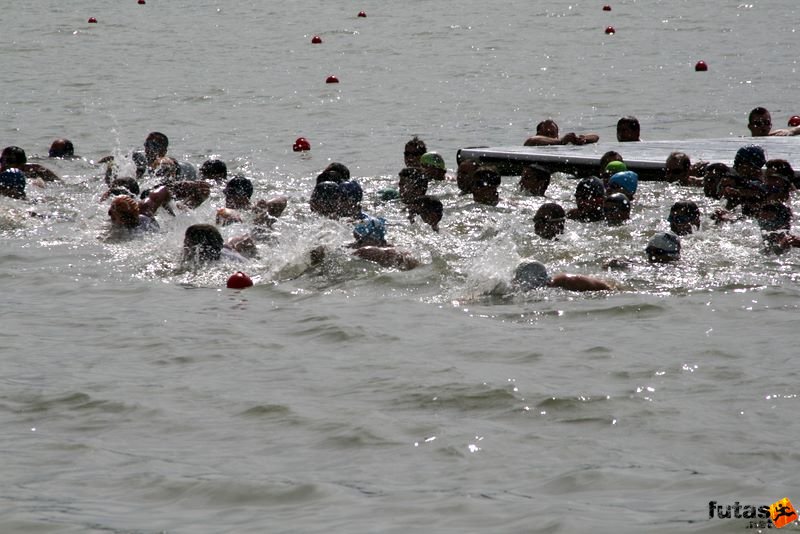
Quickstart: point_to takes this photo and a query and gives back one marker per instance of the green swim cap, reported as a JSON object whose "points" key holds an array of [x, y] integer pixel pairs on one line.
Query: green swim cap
{"points": [[388, 193], [432, 159], [614, 167]]}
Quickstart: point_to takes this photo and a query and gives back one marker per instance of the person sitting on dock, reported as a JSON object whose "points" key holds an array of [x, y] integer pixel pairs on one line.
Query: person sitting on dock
{"points": [[589, 197], [628, 129], [547, 134], [759, 122], [534, 180]]}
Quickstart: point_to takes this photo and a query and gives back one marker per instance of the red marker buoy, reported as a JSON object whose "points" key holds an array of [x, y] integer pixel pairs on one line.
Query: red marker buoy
{"points": [[301, 144], [610, 30], [700, 66], [92, 20], [795, 120], [606, 7], [316, 39], [362, 14], [239, 280], [332, 79], [141, 2]]}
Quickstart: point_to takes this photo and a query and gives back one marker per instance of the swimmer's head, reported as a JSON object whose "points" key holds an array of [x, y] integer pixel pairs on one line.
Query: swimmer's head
{"points": [[683, 215], [61, 148], [548, 222], [752, 155], [187, 171], [414, 150], [615, 166], [13, 156], [155, 146], [12, 183], [237, 192], [214, 169], [370, 232], [124, 212], [325, 199], [433, 165], [340, 169], [202, 242], [429, 209], [531, 275], [623, 182], [617, 208], [663, 247]]}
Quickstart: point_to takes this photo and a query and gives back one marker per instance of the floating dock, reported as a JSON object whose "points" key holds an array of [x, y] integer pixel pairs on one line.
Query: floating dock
{"points": [[646, 158]]}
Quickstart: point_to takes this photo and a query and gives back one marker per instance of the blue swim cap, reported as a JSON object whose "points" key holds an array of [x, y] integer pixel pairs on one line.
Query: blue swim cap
{"points": [[13, 180], [371, 228], [627, 180]]}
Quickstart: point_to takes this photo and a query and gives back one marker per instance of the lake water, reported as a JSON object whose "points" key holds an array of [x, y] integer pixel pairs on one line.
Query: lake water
{"points": [[137, 397]]}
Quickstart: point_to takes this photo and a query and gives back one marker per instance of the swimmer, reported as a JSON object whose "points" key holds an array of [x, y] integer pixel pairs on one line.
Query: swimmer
{"points": [[371, 245], [744, 185], [548, 222], [432, 164], [617, 209], [534, 180], [334, 172], [778, 180], [414, 150], [62, 149], [13, 157], [628, 129], [350, 196], [678, 169], [465, 175], [774, 219], [484, 189], [663, 247], [122, 186], [531, 275], [191, 193], [607, 158], [589, 197], [413, 184], [547, 134], [126, 215], [759, 122], [684, 217], [214, 170], [12, 183], [429, 209], [155, 148], [202, 243], [714, 174], [625, 182]]}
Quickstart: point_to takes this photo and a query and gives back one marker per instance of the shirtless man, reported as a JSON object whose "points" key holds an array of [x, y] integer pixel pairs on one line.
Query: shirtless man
{"points": [[547, 134], [759, 122]]}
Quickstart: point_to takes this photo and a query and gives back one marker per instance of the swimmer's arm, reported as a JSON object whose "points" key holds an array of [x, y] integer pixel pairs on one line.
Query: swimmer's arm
{"points": [[786, 132], [587, 139], [34, 170], [387, 257], [578, 282], [158, 198], [540, 140]]}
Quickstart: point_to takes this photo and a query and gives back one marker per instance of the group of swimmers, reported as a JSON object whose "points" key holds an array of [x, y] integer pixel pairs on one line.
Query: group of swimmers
{"points": [[757, 188]]}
